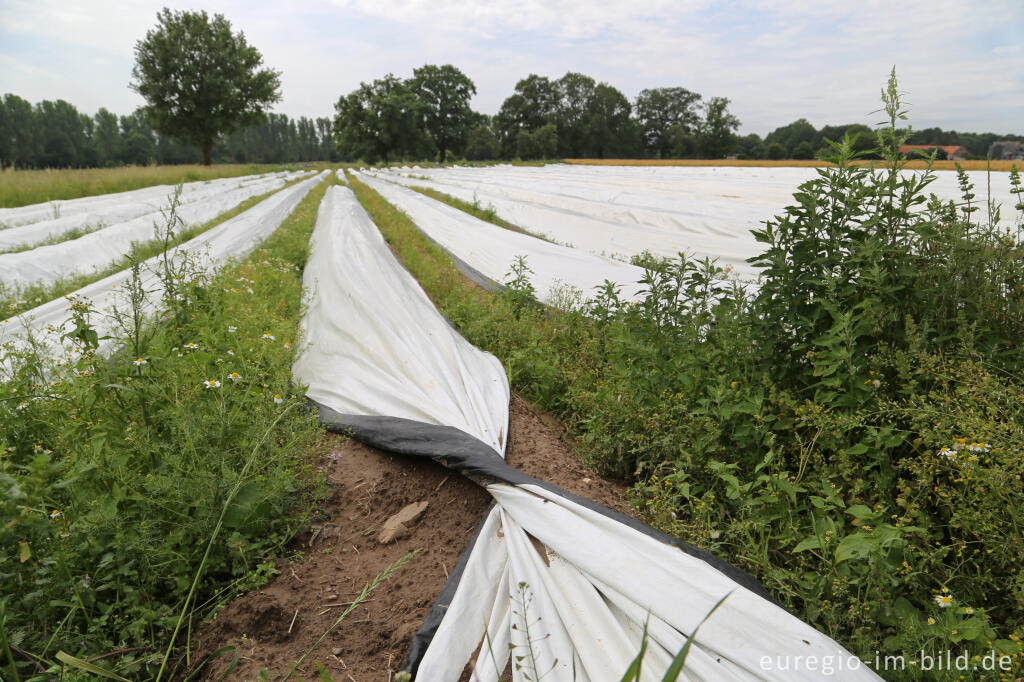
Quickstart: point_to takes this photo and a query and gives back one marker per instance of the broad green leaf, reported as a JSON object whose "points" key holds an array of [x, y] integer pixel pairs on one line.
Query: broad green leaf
{"points": [[808, 543], [854, 546]]}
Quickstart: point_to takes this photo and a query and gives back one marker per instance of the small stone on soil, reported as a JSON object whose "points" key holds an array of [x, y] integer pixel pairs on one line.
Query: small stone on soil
{"points": [[397, 525]]}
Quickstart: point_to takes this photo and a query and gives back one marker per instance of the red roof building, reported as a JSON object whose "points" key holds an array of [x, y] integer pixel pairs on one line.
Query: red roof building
{"points": [[953, 152]]}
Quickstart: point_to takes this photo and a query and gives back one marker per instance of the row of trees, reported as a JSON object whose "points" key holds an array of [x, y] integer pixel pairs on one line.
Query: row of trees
{"points": [[429, 116], [801, 140], [56, 135]]}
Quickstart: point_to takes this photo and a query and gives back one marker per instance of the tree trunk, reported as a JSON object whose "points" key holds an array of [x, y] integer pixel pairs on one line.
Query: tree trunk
{"points": [[206, 154]]}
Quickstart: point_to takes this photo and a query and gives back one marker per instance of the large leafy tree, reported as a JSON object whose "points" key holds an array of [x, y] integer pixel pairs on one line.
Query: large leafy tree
{"points": [[62, 134], [482, 142], [139, 143], [576, 92], [664, 115], [106, 138], [607, 127], [381, 120], [716, 136], [793, 135], [533, 105], [19, 134], [200, 80], [445, 92]]}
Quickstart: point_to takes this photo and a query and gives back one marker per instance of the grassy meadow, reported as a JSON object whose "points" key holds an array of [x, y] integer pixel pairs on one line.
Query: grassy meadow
{"points": [[23, 187]]}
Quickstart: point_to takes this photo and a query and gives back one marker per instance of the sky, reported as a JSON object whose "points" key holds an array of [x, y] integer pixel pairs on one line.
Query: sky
{"points": [[960, 62]]}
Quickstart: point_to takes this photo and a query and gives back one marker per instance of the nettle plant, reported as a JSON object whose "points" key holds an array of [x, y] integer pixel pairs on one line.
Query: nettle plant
{"points": [[886, 319]]}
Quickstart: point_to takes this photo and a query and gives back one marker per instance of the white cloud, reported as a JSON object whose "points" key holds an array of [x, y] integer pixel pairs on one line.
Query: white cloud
{"points": [[777, 60]]}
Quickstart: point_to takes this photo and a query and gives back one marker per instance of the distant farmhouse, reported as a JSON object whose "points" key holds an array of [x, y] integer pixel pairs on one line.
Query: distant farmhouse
{"points": [[953, 152], [1006, 150]]}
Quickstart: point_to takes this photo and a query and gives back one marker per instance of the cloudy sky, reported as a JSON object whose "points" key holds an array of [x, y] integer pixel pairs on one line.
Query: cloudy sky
{"points": [[960, 61]]}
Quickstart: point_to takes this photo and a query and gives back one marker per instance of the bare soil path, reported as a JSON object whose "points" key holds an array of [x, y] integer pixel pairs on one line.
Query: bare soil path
{"points": [[275, 625]]}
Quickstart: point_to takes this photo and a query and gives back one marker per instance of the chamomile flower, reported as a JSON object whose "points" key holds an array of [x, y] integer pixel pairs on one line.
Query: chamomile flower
{"points": [[268, 337], [232, 329], [211, 383], [931, 621], [944, 600], [191, 346], [278, 399], [287, 346], [234, 376], [139, 362], [231, 352], [54, 514]]}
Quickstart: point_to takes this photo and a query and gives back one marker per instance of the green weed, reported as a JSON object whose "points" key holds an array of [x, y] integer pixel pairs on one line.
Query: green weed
{"points": [[137, 491]]}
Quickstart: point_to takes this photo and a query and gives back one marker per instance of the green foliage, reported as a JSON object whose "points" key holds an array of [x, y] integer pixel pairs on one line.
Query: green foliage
{"points": [[200, 80], [531, 106], [126, 482], [482, 143], [445, 93], [381, 120], [801, 140], [661, 111], [539, 144], [575, 92], [573, 116], [716, 133], [608, 130], [519, 291]]}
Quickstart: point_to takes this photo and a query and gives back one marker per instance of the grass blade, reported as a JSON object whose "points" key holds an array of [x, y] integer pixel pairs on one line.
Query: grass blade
{"points": [[672, 674], [88, 667], [359, 600]]}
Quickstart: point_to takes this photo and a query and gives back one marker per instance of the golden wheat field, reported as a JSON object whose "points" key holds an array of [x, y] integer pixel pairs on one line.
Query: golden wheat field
{"points": [[786, 163]]}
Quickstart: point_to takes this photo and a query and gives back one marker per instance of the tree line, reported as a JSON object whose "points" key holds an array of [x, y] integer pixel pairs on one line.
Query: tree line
{"points": [[801, 140], [54, 134], [429, 117]]}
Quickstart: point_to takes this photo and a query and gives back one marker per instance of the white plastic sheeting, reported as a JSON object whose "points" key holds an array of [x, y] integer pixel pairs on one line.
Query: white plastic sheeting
{"points": [[607, 229], [111, 212], [106, 207], [233, 238], [492, 250], [623, 210], [97, 250], [376, 347]]}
